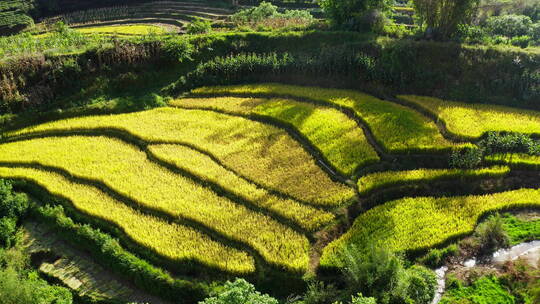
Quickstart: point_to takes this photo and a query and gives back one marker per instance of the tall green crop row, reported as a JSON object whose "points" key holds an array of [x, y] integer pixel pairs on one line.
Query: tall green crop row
{"points": [[419, 223], [339, 138], [397, 128]]}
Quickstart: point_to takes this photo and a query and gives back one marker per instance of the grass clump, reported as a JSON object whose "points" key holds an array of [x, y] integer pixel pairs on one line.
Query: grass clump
{"points": [[128, 171], [471, 121], [412, 224], [262, 153], [371, 182], [397, 128], [485, 290], [339, 138], [520, 231]]}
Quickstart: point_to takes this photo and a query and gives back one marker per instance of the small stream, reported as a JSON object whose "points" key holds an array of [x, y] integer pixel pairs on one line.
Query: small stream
{"points": [[530, 251]]}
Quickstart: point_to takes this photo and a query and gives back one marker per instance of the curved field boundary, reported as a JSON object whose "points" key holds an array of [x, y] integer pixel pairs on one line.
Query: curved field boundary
{"points": [[396, 128], [416, 224], [373, 182], [259, 152], [173, 241], [126, 169], [176, 23], [471, 121], [518, 160], [184, 158], [338, 139]]}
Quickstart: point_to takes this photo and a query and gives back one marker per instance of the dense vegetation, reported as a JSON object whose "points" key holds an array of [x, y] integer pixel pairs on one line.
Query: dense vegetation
{"points": [[206, 152]]}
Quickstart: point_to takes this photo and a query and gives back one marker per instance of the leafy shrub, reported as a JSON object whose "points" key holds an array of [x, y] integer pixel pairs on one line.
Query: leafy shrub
{"points": [[497, 142], [240, 292], [20, 288], [178, 48], [510, 25], [267, 15], [11, 204], [348, 14], [8, 228], [381, 274], [199, 26], [320, 293], [492, 235], [442, 19], [468, 158], [255, 14], [521, 41]]}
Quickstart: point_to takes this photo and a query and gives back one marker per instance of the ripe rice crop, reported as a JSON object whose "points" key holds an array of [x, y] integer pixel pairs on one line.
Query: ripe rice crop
{"points": [[471, 121], [397, 128], [374, 181], [423, 222], [340, 139], [176, 242], [123, 30], [262, 153], [127, 170], [518, 160], [197, 163]]}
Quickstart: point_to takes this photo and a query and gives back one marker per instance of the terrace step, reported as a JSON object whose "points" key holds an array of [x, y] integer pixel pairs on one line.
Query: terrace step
{"points": [[77, 270]]}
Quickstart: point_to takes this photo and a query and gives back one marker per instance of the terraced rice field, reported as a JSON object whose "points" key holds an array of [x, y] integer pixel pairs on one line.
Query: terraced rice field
{"points": [[339, 138], [242, 178], [127, 30], [398, 129], [410, 224], [471, 121], [173, 14]]}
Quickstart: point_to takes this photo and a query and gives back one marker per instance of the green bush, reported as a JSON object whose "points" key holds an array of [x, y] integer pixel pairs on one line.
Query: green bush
{"points": [[492, 235], [497, 142], [199, 26], [468, 158], [239, 292], [520, 230], [320, 293], [509, 25], [349, 14], [8, 228], [378, 273], [19, 288], [178, 48]]}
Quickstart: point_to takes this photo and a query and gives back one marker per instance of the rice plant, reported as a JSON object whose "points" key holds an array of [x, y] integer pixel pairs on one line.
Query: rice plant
{"points": [[471, 121], [262, 153], [340, 139], [397, 128], [419, 223], [127, 170], [173, 241]]}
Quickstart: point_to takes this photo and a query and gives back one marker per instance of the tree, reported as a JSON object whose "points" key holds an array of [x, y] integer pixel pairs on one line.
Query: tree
{"points": [[442, 18], [348, 13], [240, 292]]}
